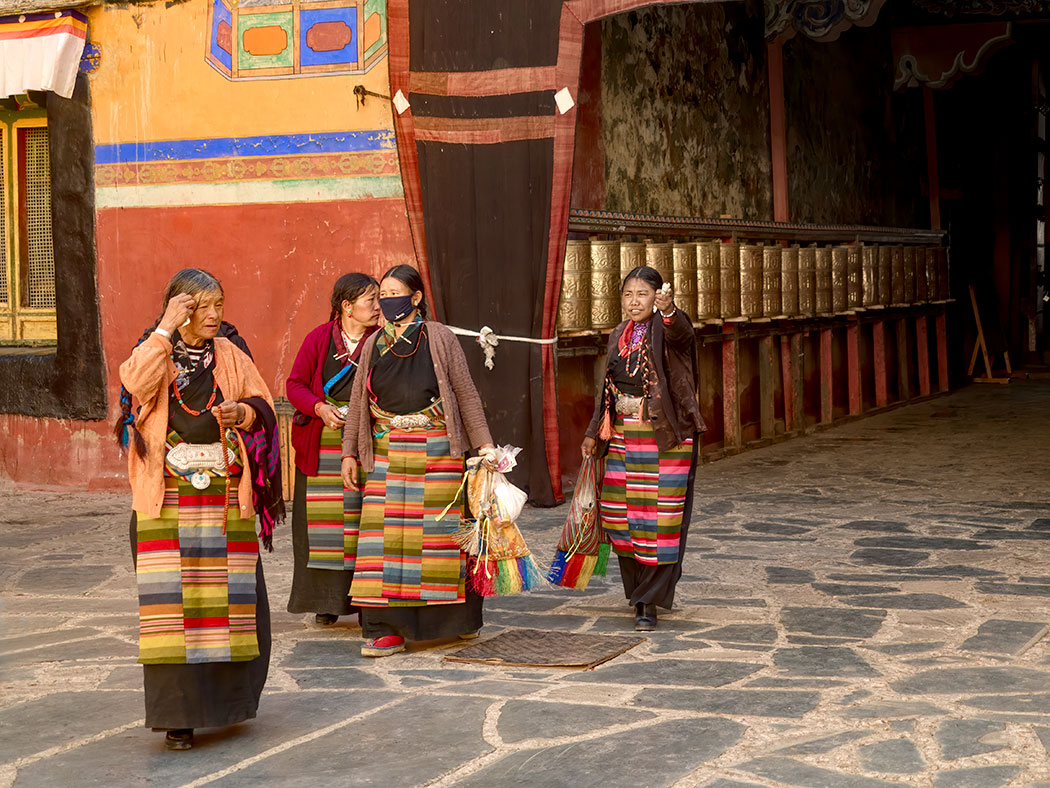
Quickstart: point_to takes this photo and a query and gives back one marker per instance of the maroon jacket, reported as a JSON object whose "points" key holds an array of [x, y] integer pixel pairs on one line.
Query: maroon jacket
{"points": [[674, 410], [305, 388]]}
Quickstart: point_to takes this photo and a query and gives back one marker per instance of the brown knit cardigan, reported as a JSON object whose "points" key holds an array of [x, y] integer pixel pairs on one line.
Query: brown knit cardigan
{"points": [[464, 413]]}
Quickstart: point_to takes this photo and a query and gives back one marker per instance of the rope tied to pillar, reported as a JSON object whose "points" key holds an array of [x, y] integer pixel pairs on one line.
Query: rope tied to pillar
{"points": [[489, 341]]}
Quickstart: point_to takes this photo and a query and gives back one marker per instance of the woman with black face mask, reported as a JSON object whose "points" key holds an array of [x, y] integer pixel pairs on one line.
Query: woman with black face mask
{"points": [[413, 414]]}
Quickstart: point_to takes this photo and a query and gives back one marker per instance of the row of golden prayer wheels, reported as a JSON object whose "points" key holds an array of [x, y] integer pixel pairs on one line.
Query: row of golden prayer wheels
{"points": [[716, 280]]}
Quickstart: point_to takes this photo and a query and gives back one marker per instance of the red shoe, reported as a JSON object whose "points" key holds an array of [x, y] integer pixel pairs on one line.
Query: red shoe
{"points": [[383, 647]]}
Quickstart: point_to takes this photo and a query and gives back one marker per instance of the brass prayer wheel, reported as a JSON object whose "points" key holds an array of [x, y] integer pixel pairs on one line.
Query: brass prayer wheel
{"points": [[822, 288], [574, 306], [772, 305], [605, 284], [807, 270], [897, 275], [729, 279], [685, 278], [751, 280], [885, 276], [854, 289], [661, 257], [922, 282], [708, 304], [869, 266], [789, 280], [839, 277], [909, 274], [933, 283], [632, 255]]}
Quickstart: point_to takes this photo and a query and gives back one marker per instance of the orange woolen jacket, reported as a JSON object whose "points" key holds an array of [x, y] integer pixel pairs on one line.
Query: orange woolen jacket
{"points": [[148, 375]]}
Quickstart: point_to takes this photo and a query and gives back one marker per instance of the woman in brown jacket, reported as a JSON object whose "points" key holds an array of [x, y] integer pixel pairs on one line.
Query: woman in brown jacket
{"points": [[647, 417], [204, 631], [414, 412]]}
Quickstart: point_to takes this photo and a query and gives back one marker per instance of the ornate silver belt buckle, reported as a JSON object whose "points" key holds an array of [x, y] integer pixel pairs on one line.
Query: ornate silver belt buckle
{"points": [[628, 406]]}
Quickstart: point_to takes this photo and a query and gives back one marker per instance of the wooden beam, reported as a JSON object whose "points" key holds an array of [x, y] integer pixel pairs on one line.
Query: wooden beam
{"points": [[922, 349], [767, 386], [853, 364], [827, 376], [733, 436], [878, 333], [778, 128]]}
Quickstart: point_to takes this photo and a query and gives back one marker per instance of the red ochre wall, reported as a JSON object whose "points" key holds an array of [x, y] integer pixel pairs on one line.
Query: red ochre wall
{"points": [[277, 263]]}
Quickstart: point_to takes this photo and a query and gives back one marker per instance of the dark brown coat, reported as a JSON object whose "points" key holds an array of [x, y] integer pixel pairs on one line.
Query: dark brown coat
{"points": [[464, 413], [673, 407]]}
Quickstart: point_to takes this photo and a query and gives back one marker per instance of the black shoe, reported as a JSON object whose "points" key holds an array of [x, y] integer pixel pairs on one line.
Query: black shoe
{"points": [[325, 619], [181, 739], [644, 617]]}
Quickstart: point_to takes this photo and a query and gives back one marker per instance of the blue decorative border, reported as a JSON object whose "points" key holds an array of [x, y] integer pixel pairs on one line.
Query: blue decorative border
{"points": [[271, 145]]}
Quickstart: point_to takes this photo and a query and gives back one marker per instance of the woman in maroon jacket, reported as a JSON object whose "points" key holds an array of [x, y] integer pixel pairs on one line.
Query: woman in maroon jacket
{"points": [[648, 418], [325, 515]]}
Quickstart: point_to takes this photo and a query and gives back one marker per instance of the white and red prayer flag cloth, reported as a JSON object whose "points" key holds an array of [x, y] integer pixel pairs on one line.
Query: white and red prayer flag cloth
{"points": [[41, 52]]}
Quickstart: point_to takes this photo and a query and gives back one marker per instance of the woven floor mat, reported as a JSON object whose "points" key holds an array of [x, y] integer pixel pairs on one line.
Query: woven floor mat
{"points": [[535, 648]]}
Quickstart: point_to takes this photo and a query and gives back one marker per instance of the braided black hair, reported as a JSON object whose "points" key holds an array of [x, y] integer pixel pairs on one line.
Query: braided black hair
{"points": [[190, 281], [350, 287]]}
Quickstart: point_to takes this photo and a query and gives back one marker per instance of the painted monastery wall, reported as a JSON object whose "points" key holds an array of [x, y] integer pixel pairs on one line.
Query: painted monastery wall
{"points": [[259, 166], [674, 119]]}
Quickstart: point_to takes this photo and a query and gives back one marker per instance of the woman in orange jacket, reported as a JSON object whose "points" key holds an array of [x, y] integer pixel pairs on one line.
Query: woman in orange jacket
{"points": [[202, 461]]}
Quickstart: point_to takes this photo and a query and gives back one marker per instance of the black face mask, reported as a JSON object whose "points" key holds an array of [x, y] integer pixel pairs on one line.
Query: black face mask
{"points": [[396, 307]]}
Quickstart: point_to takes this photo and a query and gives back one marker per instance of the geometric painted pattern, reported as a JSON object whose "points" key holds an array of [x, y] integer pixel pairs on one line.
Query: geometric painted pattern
{"points": [[259, 39]]}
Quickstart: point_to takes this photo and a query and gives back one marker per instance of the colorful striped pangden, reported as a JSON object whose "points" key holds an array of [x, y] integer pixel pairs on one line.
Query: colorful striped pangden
{"points": [[196, 586], [406, 557], [332, 511], [643, 493]]}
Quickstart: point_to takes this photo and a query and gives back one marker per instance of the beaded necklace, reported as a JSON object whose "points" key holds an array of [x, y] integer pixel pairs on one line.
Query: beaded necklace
{"points": [[187, 408], [419, 339], [633, 347]]}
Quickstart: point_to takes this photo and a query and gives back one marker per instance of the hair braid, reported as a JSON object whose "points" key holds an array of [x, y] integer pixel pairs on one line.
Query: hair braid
{"points": [[125, 428]]}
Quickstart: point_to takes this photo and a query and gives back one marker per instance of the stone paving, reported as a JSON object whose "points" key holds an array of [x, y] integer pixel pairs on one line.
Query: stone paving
{"points": [[866, 606]]}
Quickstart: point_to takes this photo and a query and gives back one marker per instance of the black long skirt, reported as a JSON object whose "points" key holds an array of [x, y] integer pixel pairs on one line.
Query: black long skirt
{"points": [[650, 584], [430, 622], [209, 694], [313, 590]]}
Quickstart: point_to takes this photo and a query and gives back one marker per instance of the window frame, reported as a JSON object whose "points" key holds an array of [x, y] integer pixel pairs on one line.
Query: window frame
{"points": [[14, 317]]}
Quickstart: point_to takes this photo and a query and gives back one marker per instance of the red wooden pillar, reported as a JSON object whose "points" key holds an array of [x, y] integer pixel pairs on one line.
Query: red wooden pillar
{"points": [[853, 361], [767, 386], [798, 382], [922, 348], [932, 170], [878, 329], [786, 369], [942, 350], [733, 436], [827, 413], [778, 128], [903, 361]]}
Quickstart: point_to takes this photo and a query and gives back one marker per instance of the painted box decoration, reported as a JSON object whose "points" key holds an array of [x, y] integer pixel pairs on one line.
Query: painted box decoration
{"points": [[258, 39]]}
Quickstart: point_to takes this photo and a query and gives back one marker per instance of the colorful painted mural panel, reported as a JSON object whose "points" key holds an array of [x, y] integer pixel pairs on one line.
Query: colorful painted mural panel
{"points": [[251, 39]]}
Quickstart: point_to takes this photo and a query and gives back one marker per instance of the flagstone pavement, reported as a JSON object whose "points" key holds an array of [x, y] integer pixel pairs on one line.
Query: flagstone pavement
{"points": [[865, 606]]}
